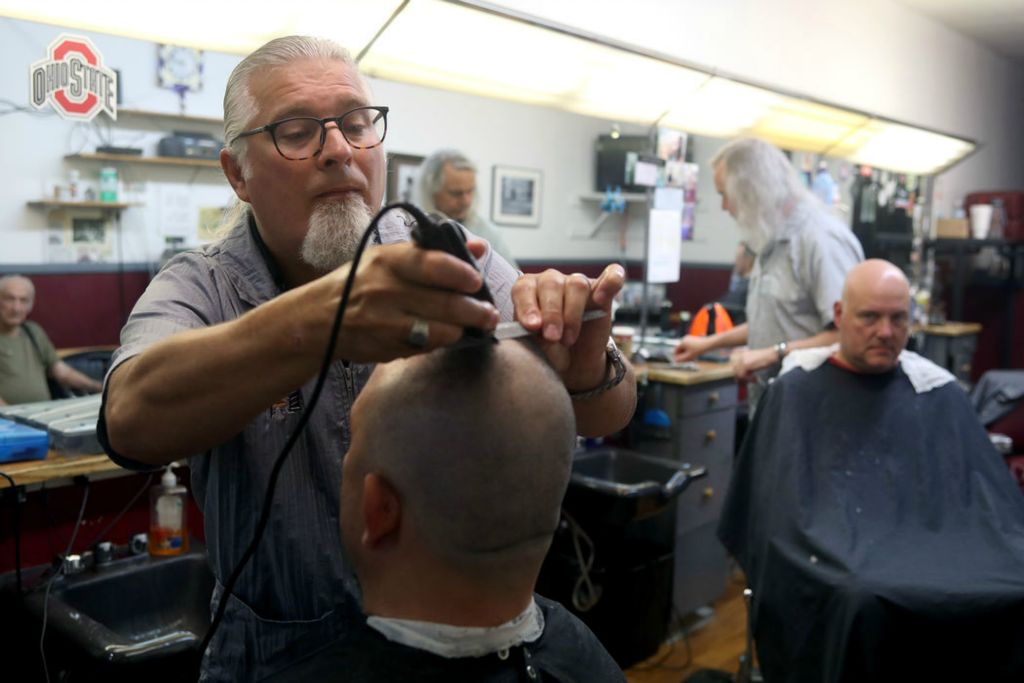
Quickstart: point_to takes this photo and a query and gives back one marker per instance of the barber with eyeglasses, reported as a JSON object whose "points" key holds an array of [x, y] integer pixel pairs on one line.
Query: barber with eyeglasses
{"points": [[219, 356]]}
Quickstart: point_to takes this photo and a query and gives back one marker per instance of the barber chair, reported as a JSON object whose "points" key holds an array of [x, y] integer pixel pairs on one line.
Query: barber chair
{"points": [[94, 363], [998, 399], [747, 672], [903, 564]]}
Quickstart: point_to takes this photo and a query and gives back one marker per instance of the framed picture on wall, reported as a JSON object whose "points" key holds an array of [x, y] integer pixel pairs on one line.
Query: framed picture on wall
{"points": [[515, 196], [402, 174]]}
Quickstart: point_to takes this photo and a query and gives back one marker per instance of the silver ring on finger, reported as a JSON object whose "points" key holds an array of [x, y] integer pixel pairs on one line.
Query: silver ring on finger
{"points": [[419, 333]]}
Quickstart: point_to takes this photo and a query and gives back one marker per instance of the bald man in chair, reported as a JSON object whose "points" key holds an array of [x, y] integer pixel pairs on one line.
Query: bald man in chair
{"points": [[881, 533], [447, 514]]}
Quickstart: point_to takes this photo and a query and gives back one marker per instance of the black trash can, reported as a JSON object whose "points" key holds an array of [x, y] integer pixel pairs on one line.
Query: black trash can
{"points": [[611, 561]]}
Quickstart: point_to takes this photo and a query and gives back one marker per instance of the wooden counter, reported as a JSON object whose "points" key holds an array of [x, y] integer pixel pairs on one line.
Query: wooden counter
{"points": [[58, 466], [705, 372]]}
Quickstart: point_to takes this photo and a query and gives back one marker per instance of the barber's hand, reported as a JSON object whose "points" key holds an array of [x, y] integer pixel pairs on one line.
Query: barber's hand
{"points": [[689, 348], [552, 303], [395, 286], [745, 362]]}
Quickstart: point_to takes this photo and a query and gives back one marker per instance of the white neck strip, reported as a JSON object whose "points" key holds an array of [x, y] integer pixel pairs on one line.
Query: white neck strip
{"points": [[462, 641]]}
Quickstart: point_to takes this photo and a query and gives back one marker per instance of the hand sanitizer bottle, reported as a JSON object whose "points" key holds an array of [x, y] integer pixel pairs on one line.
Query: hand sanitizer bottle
{"points": [[168, 533]]}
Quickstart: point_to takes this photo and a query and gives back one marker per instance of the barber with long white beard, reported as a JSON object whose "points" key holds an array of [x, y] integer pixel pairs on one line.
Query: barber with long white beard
{"points": [[803, 255], [219, 356]]}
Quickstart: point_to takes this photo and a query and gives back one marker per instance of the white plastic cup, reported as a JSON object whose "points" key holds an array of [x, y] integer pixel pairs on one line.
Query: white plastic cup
{"points": [[981, 220]]}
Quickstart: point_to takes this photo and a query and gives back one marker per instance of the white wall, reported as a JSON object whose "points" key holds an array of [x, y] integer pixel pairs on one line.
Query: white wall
{"points": [[873, 55], [34, 146]]}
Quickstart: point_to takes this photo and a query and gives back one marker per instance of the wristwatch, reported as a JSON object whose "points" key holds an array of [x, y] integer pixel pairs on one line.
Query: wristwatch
{"points": [[781, 349], [613, 359]]}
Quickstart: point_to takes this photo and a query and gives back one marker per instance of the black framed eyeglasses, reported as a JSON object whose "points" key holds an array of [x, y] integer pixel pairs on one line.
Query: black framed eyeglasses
{"points": [[301, 137]]}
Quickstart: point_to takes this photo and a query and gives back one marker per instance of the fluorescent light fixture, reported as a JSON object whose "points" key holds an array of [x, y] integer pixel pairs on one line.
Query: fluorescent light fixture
{"points": [[721, 108], [898, 147], [507, 55], [508, 59]]}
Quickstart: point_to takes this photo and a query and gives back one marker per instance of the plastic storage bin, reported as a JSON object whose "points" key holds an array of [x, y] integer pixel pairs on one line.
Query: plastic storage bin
{"points": [[18, 442]]}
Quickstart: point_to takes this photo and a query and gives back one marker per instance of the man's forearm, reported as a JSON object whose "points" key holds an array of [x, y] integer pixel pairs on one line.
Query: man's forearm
{"points": [[737, 336], [69, 377], [826, 338], [199, 388], [607, 412]]}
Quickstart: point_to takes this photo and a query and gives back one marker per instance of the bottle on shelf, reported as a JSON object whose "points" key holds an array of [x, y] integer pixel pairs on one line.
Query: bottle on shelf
{"points": [[168, 531], [74, 185], [108, 184]]}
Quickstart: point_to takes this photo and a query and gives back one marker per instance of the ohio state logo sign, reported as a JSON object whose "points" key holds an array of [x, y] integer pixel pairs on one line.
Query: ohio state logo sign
{"points": [[73, 80]]}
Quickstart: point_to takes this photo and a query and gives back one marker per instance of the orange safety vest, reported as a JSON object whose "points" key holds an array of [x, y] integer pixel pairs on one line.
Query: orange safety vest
{"points": [[710, 319]]}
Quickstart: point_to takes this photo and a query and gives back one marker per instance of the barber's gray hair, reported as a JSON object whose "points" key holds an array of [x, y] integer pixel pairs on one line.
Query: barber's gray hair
{"points": [[239, 105], [431, 175], [14, 277], [761, 185]]}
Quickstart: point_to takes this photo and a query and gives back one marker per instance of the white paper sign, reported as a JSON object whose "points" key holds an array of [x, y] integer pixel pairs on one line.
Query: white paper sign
{"points": [[664, 248], [668, 198]]}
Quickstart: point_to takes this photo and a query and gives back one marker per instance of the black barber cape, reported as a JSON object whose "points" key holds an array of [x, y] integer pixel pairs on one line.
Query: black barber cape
{"points": [[567, 652], [880, 532]]}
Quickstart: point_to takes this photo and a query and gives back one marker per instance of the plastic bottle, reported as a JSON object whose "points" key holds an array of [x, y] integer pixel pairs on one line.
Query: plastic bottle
{"points": [[168, 532], [108, 184], [73, 185]]}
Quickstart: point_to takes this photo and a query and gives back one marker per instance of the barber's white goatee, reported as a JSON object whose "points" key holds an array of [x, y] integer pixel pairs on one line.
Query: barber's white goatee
{"points": [[335, 228]]}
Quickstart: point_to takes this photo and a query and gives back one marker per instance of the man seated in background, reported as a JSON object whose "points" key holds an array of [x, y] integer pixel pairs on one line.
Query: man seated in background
{"points": [[447, 514], [27, 356], [880, 532], [447, 185]]}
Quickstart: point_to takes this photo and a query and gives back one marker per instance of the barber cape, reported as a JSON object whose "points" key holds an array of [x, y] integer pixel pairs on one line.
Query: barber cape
{"points": [[880, 531]]}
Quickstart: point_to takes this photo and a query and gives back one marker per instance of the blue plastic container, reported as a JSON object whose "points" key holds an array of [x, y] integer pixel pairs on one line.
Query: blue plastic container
{"points": [[18, 442]]}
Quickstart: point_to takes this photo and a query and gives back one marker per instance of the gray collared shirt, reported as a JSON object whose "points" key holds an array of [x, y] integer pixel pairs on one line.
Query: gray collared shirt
{"points": [[294, 595], [798, 277]]}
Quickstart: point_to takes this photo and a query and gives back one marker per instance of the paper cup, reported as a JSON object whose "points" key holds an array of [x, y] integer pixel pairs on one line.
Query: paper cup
{"points": [[981, 219]]}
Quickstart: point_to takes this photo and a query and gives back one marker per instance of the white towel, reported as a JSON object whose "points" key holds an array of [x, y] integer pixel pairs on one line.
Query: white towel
{"points": [[923, 374]]}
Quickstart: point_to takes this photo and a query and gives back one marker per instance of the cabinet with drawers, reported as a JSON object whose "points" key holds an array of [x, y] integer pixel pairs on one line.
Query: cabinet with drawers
{"points": [[701, 408]]}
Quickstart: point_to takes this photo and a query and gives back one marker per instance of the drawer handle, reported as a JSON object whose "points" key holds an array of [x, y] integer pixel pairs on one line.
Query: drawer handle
{"points": [[713, 398], [708, 493], [710, 436]]}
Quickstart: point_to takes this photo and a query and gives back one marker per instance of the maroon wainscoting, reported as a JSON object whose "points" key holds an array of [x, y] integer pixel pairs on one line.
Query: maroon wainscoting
{"points": [[86, 309]]}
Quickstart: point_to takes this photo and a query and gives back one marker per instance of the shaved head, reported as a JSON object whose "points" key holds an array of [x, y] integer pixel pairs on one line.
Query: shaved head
{"points": [[477, 446], [873, 317]]}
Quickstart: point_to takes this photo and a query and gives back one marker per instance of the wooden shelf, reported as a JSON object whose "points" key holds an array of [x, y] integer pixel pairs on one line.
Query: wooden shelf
{"points": [[151, 161], [184, 118], [68, 204]]}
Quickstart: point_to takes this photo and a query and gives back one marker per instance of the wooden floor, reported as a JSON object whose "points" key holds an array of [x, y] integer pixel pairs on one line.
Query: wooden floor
{"points": [[716, 644]]}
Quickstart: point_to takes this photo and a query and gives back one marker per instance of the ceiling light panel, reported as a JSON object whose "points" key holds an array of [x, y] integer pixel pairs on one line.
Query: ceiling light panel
{"points": [[485, 54], [897, 147]]}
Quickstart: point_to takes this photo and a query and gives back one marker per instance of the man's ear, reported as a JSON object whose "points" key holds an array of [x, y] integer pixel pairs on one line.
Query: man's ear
{"points": [[837, 312], [382, 511], [233, 172]]}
